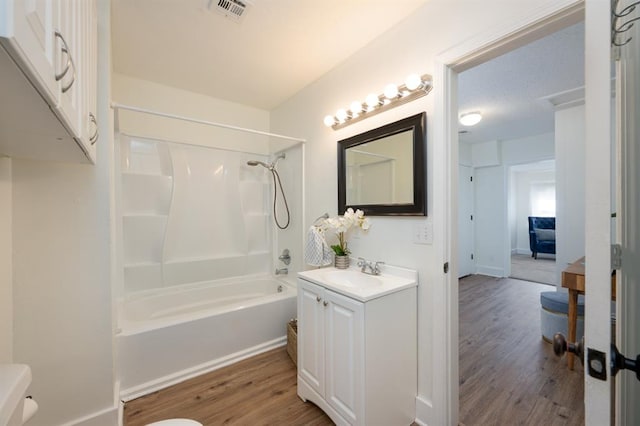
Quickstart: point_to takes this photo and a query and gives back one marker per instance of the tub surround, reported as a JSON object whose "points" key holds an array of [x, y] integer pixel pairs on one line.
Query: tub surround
{"points": [[176, 228]]}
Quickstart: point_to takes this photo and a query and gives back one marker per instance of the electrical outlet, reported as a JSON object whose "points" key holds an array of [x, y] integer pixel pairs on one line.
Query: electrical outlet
{"points": [[423, 232]]}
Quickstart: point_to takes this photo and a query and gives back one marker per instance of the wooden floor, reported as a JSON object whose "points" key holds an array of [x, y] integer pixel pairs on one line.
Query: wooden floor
{"points": [[508, 374], [257, 391]]}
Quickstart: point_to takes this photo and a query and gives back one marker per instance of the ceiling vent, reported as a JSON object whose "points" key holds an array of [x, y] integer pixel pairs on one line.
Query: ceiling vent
{"points": [[234, 9]]}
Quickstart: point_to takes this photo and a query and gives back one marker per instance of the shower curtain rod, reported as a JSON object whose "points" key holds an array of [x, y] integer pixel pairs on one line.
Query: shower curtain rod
{"points": [[117, 106]]}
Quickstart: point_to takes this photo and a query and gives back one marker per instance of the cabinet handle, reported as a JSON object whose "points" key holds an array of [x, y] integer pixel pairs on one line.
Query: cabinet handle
{"points": [[318, 299], [70, 63], [73, 78], [325, 303], [94, 138], [65, 50]]}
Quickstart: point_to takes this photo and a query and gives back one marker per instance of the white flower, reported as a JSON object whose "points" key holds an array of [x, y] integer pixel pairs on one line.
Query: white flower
{"points": [[341, 224]]}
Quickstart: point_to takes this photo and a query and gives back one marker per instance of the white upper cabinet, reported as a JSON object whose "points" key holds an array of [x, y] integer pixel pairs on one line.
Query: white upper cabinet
{"points": [[27, 29], [51, 44]]}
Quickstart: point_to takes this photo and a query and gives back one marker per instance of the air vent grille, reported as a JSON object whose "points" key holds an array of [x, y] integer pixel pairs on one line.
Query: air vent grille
{"points": [[234, 9]]}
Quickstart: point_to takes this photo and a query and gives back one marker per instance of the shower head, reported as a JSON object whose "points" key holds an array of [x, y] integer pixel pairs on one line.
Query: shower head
{"points": [[256, 163], [271, 166]]}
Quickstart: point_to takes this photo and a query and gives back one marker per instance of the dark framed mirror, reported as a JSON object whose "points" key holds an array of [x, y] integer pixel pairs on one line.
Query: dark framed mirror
{"points": [[382, 171]]}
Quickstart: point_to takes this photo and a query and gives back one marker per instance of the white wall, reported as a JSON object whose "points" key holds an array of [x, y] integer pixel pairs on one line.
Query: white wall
{"points": [[149, 95], [496, 213], [6, 279], [410, 47], [61, 275], [570, 187]]}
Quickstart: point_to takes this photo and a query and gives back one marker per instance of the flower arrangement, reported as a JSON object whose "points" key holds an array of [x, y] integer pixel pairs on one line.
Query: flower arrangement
{"points": [[341, 224]]}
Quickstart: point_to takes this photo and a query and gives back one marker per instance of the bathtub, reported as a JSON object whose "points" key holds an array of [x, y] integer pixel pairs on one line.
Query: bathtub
{"points": [[170, 335]]}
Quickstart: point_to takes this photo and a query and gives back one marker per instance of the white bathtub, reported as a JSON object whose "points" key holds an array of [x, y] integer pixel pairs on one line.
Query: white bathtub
{"points": [[168, 336]]}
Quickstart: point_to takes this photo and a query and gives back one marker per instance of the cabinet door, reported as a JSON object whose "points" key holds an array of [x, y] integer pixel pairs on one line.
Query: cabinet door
{"points": [[311, 335], [344, 329], [29, 33], [90, 86], [69, 48]]}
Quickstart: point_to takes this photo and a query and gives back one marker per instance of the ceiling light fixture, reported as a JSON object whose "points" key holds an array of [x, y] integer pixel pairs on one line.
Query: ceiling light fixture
{"points": [[414, 87], [470, 118]]}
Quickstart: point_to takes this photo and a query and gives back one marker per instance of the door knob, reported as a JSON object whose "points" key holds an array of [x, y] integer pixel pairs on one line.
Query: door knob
{"points": [[561, 346], [619, 362]]}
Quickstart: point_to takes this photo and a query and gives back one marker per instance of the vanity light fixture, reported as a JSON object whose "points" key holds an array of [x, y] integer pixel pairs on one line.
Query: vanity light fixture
{"points": [[414, 87], [470, 118]]}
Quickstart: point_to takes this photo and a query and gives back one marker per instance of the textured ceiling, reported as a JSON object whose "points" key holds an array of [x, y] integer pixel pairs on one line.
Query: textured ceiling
{"points": [[278, 48], [508, 90], [281, 46]]}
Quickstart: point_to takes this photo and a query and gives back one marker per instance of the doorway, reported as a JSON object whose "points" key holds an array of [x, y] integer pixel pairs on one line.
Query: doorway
{"points": [[497, 157], [532, 193], [597, 206]]}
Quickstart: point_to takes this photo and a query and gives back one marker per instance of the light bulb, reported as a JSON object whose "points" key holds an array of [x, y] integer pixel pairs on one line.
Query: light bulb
{"points": [[356, 107], [341, 115], [391, 91], [372, 100], [413, 82], [470, 118], [329, 120]]}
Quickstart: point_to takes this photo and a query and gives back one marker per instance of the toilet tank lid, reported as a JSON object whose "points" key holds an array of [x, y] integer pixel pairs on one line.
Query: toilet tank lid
{"points": [[14, 381]]}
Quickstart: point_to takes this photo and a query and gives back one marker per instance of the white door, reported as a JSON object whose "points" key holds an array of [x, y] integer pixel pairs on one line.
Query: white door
{"points": [[465, 221], [628, 218], [311, 335], [344, 355], [598, 208]]}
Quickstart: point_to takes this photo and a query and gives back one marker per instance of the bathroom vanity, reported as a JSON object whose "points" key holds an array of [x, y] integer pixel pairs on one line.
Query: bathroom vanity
{"points": [[357, 354]]}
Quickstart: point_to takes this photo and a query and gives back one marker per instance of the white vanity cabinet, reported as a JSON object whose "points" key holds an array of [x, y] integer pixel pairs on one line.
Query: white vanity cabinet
{"points": [[357, 359], [48, 69]]}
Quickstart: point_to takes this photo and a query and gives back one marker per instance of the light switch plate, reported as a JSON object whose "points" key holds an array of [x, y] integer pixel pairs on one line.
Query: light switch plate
{"points": [[423, 232]]}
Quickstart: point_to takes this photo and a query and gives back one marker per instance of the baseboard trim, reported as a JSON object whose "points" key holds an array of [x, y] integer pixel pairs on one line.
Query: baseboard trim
{"points": [[490, 271], [523, 251], [189, 373], [108, 416]]}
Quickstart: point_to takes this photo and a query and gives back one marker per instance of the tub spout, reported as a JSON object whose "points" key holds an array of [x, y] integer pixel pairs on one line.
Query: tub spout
{"points": [[282, 271]]}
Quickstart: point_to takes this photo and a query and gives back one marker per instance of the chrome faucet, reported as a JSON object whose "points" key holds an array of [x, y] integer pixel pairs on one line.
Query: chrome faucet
{"points": [[374, 267], [285, 257], [282, 271]]}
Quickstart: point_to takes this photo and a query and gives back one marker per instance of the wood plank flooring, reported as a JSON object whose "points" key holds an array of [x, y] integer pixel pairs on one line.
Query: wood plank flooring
{"points": [[257, 391], [508, 374]]}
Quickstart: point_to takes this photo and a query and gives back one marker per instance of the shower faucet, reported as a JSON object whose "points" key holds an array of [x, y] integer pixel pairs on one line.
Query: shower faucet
{"points": [[282, 271], [285, 257]]}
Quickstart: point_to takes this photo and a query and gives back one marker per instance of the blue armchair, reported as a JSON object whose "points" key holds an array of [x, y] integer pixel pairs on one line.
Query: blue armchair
{"points": [[542, 235]]}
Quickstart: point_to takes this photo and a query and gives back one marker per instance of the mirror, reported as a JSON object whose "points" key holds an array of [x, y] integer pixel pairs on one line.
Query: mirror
{"points": [[382, 171]]}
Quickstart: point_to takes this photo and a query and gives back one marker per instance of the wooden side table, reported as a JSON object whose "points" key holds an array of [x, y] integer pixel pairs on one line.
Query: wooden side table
{"points": [[573, 279]]}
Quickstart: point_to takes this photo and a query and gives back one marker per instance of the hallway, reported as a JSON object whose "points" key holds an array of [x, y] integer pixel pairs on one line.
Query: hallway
{"points": [[508, 374]]}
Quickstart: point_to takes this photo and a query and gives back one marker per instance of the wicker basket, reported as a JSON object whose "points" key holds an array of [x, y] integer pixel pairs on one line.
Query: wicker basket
{"points": [[292, 340]]}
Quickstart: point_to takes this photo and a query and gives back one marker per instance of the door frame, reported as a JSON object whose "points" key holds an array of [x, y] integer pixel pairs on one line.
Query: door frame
{"points": [[546, 19]]}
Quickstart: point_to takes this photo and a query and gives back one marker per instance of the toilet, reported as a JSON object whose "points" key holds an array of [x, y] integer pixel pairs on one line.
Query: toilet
{"points": [[175, 422], [15, 408]]}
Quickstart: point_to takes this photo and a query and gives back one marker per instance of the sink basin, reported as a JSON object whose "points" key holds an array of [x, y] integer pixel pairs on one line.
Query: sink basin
{"points": [[360, 286], [352, 279]]}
